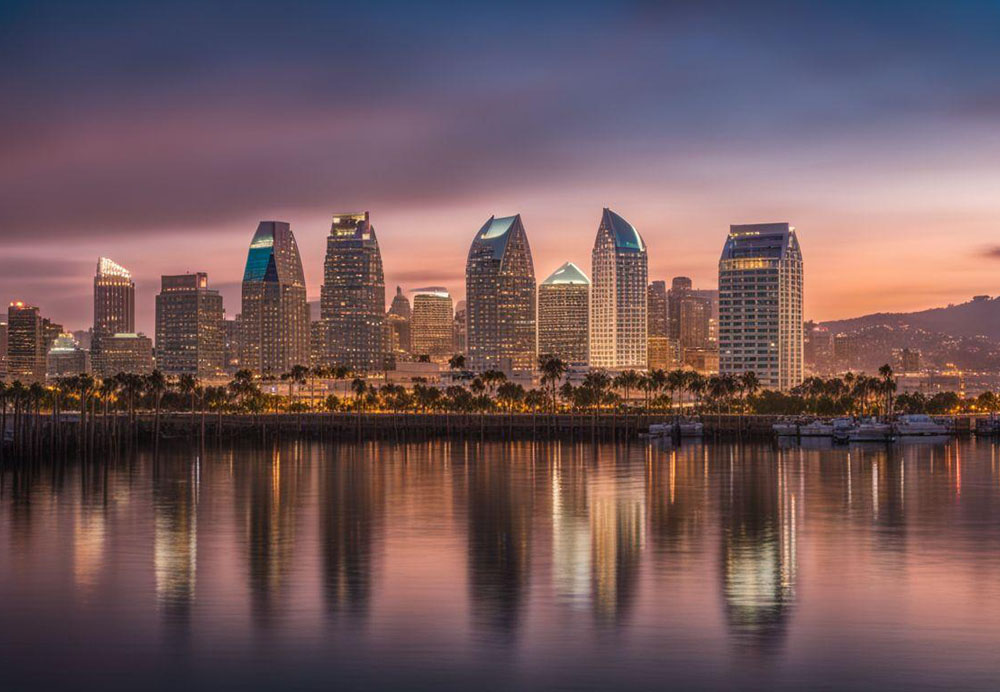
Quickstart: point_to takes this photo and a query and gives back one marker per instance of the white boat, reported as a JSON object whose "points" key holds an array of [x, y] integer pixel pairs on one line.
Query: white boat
{"points": [[691, 428], [817, 428], [661, 430], [918, 425], [870, 431], [786, 429]]}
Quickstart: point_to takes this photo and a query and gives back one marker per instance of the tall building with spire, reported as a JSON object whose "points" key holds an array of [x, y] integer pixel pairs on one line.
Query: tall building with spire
{"points": [[275, 315], [564, 315], [352, 301], [618, 328], [500, 298], [760, 304]]}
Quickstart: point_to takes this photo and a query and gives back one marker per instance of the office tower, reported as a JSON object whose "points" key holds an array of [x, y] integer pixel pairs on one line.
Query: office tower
{"points": [[231, 331], [618, 296], [352, 301], [65, 357], [695, 321], [564, 315], [458, 329], [760, 304], [680, 286], [114, 299], [3, 351], [656, 316], [189, 329], [399, 317], [50, 332], [432, 323], [500, 298], [318, 343], [26, 346], [711, 296], [275, 315], [127, 353]]}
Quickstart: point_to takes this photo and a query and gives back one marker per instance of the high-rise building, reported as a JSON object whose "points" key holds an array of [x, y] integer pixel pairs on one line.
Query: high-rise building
{"points": [[432, 325], [3, 351], [231, 332], [680, 286], [500, 298], [65, 357], [189, 327], [695, 322], [353, 294], [458, 328], [26, 347], [618, 315], [711, 295], [400, 328], [114, 298], [275, 315], [564, 315], [656, 309], [128, 353], [760, 304]]}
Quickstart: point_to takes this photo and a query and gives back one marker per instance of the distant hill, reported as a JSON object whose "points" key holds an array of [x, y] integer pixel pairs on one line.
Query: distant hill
{"points": [[979, 317]]}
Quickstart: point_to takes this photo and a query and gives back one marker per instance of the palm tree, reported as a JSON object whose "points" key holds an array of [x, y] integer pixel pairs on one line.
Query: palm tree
{"points": [[493, 378], [749, 384], [187, 385], [317, 372], [676, 380], [888, 387], [457, 362], [3, 417], [156, 386], [359, 387], [627, 381], [553, 368]]}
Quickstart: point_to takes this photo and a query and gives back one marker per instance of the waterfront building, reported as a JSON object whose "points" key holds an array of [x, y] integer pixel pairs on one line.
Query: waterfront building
{"points": [[564, 315], [500, 298], [400, 328], [189, 327], [352, 299], [432, 324], [65, 357], [318, 343], [275, 315], [129, 353], [618, 314], [26, 344], [657, 319], [760, 304], [711, 296]]}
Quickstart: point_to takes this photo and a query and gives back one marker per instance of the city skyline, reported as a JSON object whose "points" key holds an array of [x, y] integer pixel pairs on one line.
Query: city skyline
{"points": [[149, 149]]}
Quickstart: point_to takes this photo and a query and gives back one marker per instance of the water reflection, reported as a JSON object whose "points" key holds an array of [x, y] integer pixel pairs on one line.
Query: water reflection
{"points": [[556, 564]]}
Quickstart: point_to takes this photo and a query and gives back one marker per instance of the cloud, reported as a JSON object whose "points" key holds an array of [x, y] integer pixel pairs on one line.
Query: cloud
{"points": [[989, 252]]}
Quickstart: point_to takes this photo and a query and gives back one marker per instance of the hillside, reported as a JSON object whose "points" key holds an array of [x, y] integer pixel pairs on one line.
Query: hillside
{"points": [[978, 317]]}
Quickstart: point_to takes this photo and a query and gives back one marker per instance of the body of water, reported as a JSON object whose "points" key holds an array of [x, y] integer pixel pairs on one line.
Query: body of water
{"points": [[504, 566]]}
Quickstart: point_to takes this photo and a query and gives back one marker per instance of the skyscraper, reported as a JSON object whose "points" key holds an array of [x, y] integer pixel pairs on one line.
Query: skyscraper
{"points": [[432, 330], [3, 351], [114, 298], [618, 295], [660, 348], [760, 304], [398, 319], [680, 287], [500, 298], [189, 327], [564, 315], [275, 315], [26, 344], [352, 301]]}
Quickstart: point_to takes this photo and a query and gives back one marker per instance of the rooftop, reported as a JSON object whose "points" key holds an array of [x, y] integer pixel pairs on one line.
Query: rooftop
{"points": [[568, 273]]}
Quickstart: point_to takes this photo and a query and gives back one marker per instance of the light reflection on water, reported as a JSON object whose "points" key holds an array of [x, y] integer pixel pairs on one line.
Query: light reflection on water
{"points": [[504, 566]]}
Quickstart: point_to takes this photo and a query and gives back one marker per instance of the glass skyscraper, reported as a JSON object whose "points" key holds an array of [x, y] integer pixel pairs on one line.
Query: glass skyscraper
{"points": [[275, 316], [760, 304], [352, 301], [618, 328], [500, 298], [564, 315]]}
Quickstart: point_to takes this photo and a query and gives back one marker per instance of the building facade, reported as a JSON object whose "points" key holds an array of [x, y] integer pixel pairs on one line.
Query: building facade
{"points": [[398, 319], [618, 311], [275, 315], [564, 315], [352, 301], [65, 357], [190, 336], [680, 287], [127, 353], [500, 298], [26, 344], [432, 323], [760, 304]]}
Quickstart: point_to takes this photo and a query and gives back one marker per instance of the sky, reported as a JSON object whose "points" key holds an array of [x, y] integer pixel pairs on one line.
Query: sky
{"points": [[159, 134]]}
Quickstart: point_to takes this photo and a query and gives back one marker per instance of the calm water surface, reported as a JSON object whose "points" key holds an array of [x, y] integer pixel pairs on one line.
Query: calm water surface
{"points": [[499, 566]]}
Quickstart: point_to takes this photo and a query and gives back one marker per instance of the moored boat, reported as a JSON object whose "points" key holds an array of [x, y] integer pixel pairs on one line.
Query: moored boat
{"points": [[918, 425], [870, 431]]}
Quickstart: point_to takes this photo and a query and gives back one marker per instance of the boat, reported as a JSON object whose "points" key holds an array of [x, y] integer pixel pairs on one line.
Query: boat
{"points": [[817, 428], [657, 430], [691, 428], [786, 429], [870, 430], [918, 425]]}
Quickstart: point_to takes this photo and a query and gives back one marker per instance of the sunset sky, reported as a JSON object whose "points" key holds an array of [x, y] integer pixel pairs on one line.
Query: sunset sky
{"points": [[160, 134]]}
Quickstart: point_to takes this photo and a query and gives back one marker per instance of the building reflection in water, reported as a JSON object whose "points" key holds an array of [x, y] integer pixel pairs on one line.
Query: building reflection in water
{"points": [[499, 536], [617, 525], [269, 485], [571, 550], [176, 489], [352, 496], [758, 510]]}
